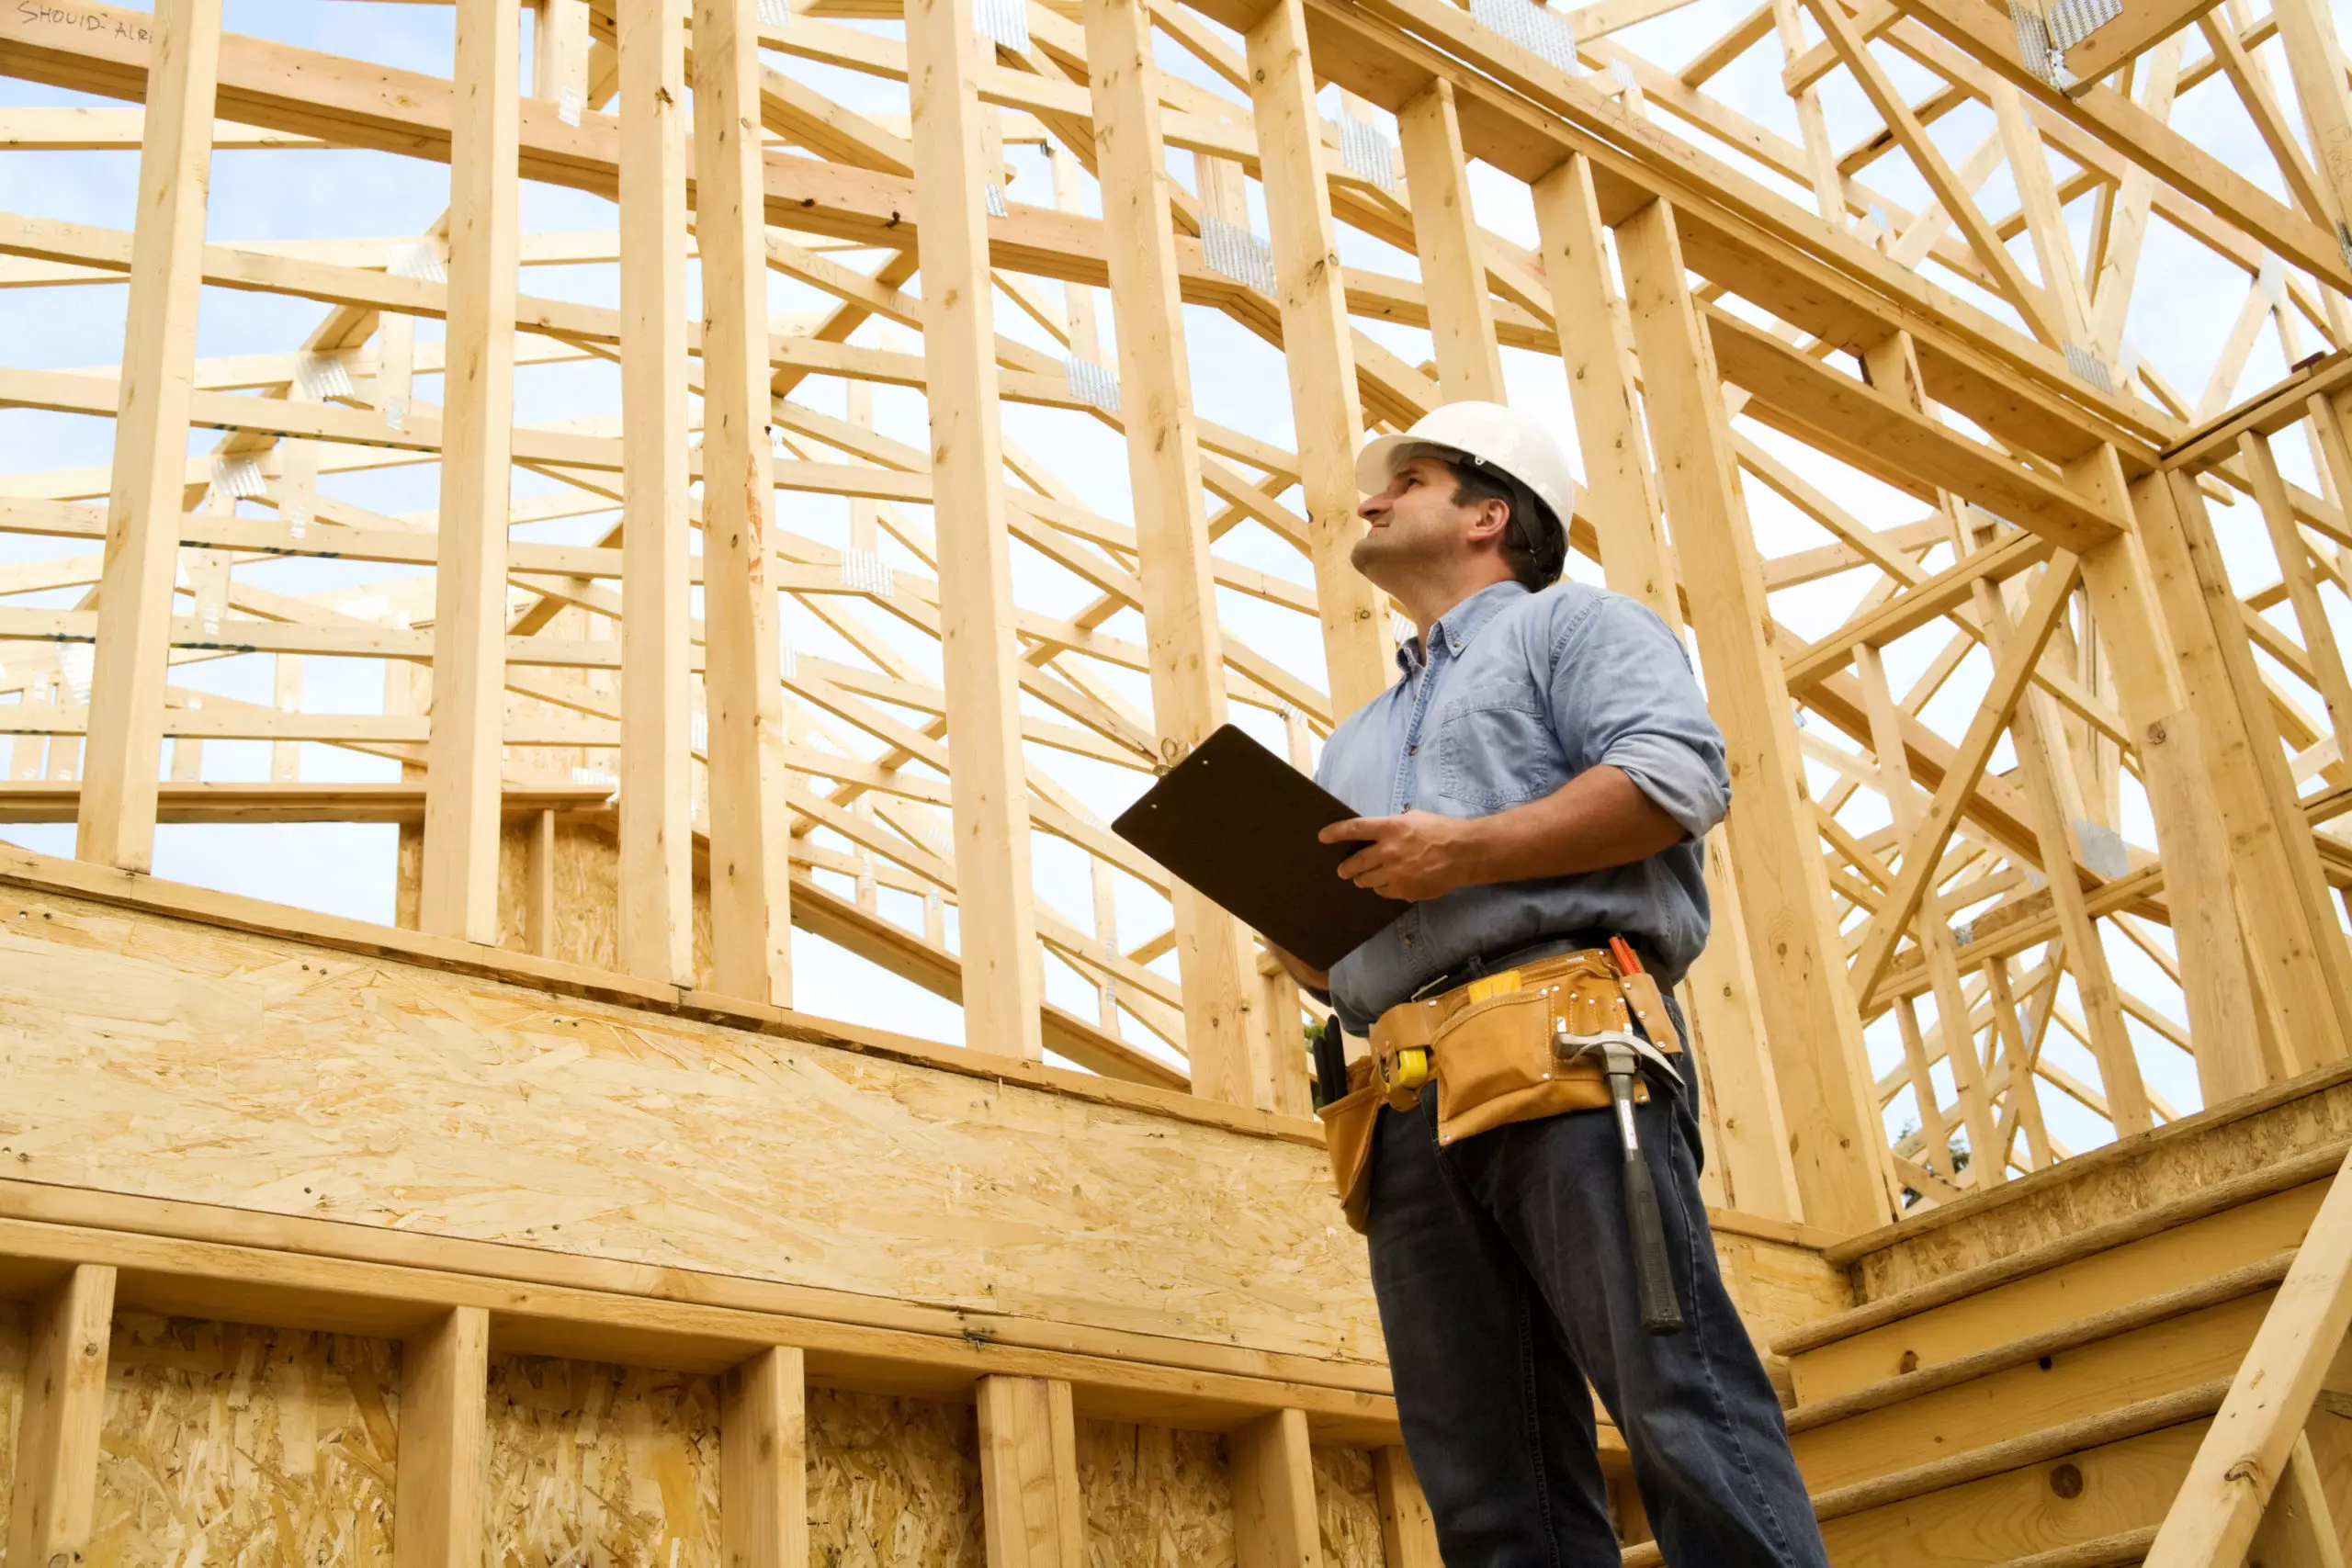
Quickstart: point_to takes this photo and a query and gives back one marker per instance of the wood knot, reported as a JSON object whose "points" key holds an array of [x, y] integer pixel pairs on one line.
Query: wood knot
{"points": [[2066, 1481]]}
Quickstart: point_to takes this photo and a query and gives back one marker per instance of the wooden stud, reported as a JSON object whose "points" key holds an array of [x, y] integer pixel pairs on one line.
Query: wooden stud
{"points": [[1029, 1473], [1445, 236], [1407, 1529], [1106, 933], [1326, 410], [116, 825], [458, 895], [51, 1499], [559, 54], [764, 1451], [998, 921], [1272, 1468], [1596, 348], [2294, 936], [750, 884], [1171, 524], [2216, 990], [656, 872], [1808, 1019], [443, 1453]]}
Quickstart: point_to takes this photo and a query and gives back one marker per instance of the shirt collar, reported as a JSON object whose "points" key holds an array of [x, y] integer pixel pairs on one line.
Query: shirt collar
{"points": [[1461, 622]]}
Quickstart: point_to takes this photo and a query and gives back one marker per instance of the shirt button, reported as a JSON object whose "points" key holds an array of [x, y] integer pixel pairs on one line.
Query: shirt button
{"points": [[1408, 939]]}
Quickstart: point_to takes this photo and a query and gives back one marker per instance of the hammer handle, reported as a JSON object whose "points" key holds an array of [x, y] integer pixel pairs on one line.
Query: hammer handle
{"points": [[1661, 1314]]}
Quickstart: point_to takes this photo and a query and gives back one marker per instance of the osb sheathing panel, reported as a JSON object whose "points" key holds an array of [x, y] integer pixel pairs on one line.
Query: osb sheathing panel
{"points": [[893, 1483], [259, 1447], [2111, 1185], [176, 1060], [1347, 1508], [1154, 1498], [597, 1466], [587, 894]]}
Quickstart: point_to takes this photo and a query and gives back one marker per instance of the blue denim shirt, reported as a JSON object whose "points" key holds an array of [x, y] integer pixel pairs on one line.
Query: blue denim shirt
{"points": [[1518, 693]]}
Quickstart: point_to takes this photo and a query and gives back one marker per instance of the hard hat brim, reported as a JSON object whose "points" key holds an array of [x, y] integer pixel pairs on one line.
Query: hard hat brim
{"points": [[1376, 463]]}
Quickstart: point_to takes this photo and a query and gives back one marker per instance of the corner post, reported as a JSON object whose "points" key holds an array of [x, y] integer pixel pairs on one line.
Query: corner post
{"points": [[1835, 1142]]}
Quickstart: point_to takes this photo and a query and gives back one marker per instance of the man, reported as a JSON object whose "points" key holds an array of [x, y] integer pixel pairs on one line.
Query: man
{"points": [[1538, 781]]}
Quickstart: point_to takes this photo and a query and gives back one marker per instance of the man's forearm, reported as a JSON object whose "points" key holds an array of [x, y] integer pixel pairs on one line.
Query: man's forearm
{"points": [[1597, 819]]}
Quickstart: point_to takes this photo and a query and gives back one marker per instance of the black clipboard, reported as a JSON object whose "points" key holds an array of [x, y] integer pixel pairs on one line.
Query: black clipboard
{"points": [[1239, 824]]}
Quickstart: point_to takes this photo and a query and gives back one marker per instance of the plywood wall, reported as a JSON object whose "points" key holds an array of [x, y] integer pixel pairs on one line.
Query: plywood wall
{"points": [[179, 1061], [259, 1447], [893, 1483], [1154, 1498], [230, 1445], [1347, 1508], [597, 1466]]}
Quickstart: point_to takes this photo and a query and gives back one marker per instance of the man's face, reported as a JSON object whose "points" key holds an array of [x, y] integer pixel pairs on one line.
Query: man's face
{"points": [[1418, 530]]}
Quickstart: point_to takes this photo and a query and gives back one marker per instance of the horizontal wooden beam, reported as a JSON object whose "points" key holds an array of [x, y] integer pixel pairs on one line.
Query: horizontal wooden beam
{"points": [[2267, 414], [1856, 423]]}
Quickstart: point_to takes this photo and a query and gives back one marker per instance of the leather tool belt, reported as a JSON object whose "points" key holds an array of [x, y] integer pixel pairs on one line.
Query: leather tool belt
{"points": [[1501, 1048]]}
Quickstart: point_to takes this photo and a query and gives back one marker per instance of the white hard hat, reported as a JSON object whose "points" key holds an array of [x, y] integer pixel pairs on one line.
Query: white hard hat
{"points": [[1486, 434]]}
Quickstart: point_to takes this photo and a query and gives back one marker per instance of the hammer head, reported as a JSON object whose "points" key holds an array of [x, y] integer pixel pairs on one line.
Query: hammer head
{"points": [[1621, 1053], [1617, 1058]]}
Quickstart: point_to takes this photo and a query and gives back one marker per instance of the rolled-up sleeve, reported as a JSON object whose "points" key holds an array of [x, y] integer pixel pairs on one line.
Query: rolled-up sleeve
{"points": [[1622, 693]]}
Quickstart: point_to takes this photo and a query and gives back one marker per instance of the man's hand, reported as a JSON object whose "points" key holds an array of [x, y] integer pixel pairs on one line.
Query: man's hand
{"points": [[1421, 855]]}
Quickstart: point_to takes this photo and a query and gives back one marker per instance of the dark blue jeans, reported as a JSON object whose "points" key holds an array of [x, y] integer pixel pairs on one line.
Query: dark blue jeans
{"points": [[1505, 1282]]}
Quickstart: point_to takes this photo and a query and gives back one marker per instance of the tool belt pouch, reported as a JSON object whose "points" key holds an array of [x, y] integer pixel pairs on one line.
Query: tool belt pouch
{"points": [[1348, 1124], [1501, 1060]]}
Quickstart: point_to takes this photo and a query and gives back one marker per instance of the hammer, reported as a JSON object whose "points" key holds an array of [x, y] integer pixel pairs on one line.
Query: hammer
{"points": [[1621, 1053]]}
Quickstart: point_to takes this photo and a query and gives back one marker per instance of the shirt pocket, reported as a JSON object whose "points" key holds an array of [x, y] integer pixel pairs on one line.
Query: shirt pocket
{"points": [[1499, 752]]}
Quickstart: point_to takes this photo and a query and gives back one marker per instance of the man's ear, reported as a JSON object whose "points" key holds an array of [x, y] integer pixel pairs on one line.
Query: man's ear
{"points": [[1494, 516]]}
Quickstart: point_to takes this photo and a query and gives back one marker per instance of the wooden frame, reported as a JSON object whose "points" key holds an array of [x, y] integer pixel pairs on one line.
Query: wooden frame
{"points": [[1973, 440]]}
